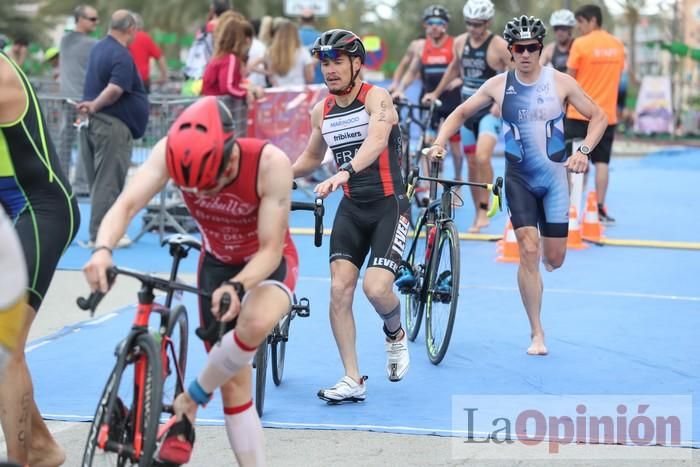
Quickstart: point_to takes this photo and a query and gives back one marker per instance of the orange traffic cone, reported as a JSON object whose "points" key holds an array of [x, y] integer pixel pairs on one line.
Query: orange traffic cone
{"points": [[592, 230], [508, 247], [574, 241]]}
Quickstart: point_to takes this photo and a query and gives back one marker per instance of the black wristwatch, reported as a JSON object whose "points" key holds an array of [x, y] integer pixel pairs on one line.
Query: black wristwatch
{"points": [[240, 290], [585, 150], [347, 167]]}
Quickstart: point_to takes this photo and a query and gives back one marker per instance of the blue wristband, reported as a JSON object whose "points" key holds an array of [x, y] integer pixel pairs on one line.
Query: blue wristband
{"points": [[198, 394]]}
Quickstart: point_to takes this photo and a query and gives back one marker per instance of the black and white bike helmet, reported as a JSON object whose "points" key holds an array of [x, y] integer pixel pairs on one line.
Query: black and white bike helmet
{"points": [[344, 41], [480, 10], [436, 11], [341, 40], [524, 28]]}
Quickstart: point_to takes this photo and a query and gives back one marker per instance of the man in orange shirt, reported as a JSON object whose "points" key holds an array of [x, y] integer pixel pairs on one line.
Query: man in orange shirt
{"points": [[596, 60]]}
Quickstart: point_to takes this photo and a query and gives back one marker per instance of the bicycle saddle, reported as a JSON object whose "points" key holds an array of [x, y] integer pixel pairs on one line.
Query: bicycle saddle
{"points": [[182, 240]]}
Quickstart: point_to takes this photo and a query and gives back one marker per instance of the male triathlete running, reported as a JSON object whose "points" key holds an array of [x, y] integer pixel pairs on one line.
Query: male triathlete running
{"points": [[433, 56], [239, 193], [478, 55], [557, 53], [37, 198], [359, 123], [532, 99]]}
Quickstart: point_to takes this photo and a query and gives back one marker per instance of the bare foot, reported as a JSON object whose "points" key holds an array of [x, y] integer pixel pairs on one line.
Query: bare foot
{"points": [[49, 455], [537, 346], [478, 225]]}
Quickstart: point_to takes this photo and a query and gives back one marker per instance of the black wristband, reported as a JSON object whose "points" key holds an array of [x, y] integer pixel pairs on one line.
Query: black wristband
{"points": [[240, 289], [348, 168], [98, 248]]}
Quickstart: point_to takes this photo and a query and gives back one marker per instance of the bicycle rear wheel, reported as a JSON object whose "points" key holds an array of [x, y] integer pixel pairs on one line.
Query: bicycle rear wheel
{"points": [[260, 376], [131, 435], [174, 366], [279, 347], [443, 293], [415, 297]]}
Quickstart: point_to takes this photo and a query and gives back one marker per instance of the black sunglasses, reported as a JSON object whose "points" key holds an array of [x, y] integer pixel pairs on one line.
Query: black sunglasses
{"points": [[475, 24], [562, 28], [532, 48], [94, 19]]}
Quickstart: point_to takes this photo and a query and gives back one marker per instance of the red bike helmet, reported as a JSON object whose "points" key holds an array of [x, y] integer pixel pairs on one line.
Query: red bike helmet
{"points": [[199, 144]]}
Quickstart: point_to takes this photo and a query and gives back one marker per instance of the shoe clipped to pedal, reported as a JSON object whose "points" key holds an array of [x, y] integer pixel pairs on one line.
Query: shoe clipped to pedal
{"points": [[175, 451]]}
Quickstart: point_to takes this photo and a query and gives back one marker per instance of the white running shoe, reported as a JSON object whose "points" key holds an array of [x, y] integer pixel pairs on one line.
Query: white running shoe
{"points": [[397, 358], [345, 390]]}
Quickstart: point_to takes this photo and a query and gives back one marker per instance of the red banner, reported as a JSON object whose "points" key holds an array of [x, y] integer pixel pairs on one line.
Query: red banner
{"points": [[283, 117]]}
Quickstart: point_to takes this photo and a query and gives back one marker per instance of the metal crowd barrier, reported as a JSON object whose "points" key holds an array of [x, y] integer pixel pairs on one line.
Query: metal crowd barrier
{"points": [[281, 117]]}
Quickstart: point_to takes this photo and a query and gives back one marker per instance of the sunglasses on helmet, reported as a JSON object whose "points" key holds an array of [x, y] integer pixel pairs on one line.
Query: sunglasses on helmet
{"points": [[521, 48], [435, 22], [331, 54]]}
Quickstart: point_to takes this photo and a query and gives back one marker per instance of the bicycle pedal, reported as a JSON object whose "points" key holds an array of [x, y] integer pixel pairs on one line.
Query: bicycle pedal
{"points": [[302, 308]]}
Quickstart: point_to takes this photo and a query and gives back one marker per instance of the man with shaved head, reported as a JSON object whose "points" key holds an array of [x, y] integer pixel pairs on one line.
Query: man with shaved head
{"points": [[114, 99], [74, 51]]}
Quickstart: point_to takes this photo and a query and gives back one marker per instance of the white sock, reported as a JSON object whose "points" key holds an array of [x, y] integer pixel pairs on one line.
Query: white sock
{"points": [[225, 360], [245, 434]]}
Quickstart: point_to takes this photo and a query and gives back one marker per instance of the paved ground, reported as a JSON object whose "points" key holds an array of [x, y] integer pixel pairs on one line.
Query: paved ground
{"points": [[324, 448]]}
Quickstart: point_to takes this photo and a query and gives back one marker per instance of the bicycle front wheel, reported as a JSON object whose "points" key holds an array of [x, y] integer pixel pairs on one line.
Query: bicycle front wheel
{"points": [[131, 431], [415, 298], [260, 376], [279, 348], [442, 293]]}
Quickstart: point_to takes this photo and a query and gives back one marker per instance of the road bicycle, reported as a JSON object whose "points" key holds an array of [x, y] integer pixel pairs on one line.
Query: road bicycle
{"points": [[150, 368], [149, 371], [429, 275], [276, 343]]}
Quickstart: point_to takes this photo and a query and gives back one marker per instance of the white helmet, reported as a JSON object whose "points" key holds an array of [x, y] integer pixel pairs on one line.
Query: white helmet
{"points": [[562, 18], [481, 10]]}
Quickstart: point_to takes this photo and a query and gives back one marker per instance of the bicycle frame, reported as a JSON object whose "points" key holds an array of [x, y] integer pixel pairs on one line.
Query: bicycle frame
{"points": [[422, 123], [146, 306]]}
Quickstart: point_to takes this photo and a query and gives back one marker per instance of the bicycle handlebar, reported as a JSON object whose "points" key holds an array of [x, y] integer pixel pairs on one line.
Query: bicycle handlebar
{"points": [[214, 331], [319, 210], [496, 188], [152, 282], [411, 106], [216, 328]]}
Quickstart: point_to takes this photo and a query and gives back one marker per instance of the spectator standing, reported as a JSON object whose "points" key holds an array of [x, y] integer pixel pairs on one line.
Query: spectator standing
{"points": [[142, 50], [286, 61], [223, 75], [203, 47], [117, 106], [18, 50], [52, 60], [596, 60], [74, 50], [308, 34], [255, 54]]}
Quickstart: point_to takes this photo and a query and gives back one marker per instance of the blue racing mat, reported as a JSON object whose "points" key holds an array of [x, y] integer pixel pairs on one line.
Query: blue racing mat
{"points": [[652, 198], [618, 329]]}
